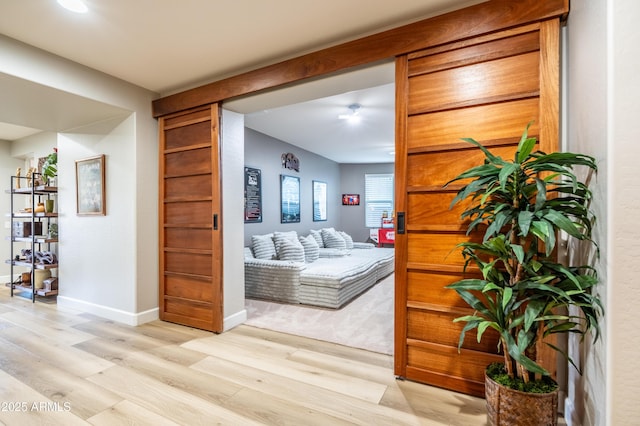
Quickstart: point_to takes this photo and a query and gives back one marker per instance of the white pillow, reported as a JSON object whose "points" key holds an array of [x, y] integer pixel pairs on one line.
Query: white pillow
{"points": [[317, 235], [287, 235], [263, 246], [332, 239], [348, 241], [290, 250], [311, 249]]}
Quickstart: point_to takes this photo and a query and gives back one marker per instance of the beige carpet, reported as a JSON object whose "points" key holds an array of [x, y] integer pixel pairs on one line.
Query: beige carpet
{"points": [[366, 322]]}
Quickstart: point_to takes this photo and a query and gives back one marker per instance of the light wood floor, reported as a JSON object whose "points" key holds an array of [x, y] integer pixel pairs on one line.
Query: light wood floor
{"points": [[68, 368]]}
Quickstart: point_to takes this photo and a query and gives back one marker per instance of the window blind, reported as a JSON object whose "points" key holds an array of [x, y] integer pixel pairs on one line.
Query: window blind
{"points": [[378, 198]]}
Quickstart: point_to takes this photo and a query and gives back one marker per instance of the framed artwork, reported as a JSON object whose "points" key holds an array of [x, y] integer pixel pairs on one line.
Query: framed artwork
{"points": [[350, 199], [289, 199], [90, 189], [319, 201], [252, 195]]}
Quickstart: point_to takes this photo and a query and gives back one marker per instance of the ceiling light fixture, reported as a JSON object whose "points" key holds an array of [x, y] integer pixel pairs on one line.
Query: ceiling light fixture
{"points": [[76, 6], [353, 116]]}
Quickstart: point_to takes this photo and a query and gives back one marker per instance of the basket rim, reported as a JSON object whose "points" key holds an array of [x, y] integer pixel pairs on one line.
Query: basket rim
{"points": [[535, 394]]}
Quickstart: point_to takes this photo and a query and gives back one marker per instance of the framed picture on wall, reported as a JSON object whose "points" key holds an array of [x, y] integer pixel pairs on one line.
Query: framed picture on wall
{"points": [[252, 195], [90, 189], [319, 201], [289, 199], [350, 199]]}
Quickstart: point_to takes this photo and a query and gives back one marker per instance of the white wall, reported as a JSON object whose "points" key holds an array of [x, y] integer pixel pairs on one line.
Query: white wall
{"points": [[109, 265], [232, 220], [97, 254], [602, 108], [623, 243]]}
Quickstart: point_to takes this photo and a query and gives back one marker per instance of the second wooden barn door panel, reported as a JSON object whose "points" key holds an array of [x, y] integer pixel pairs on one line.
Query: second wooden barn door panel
{"points": [[487, 88]]}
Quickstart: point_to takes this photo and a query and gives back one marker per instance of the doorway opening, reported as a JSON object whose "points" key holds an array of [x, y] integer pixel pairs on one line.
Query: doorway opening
{"points": [[308, 120]]}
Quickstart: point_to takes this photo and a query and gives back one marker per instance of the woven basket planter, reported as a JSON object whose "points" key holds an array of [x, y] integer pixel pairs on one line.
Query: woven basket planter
{"points": [[506, 406]]}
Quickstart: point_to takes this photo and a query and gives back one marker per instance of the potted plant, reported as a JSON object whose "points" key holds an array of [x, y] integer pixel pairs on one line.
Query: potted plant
{"points": [[522, 291], [50, 166]]}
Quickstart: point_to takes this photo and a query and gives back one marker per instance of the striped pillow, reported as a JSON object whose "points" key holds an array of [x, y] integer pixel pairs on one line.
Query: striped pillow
{"points": [[263, 246], [347, 239], [290, 250], [311, 249], [287, 235], [317, 235], [332, 239]]}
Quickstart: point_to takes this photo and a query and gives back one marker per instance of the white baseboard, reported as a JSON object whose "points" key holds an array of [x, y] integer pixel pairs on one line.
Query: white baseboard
{"points": [[234, 320], [117, 315]]}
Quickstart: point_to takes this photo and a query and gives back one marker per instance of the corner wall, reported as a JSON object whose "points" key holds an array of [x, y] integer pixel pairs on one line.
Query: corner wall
{"points": [[602, 106]]}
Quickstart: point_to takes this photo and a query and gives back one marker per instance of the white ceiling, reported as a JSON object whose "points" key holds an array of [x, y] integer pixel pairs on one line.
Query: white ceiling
{"points": [[168, 46]]}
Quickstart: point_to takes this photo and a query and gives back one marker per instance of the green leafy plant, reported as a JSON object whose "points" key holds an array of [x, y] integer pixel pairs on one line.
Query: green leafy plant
{"points": [[524, 293], [50, 166]]}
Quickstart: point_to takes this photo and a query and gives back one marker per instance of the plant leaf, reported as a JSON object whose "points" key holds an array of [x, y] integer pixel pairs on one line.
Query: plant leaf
{"points": [[506, 296], [524, 148]]}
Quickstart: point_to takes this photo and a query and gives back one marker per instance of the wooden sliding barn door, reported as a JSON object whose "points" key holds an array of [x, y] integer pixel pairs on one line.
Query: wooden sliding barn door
{"points": [[487, 88], [190, 236]]}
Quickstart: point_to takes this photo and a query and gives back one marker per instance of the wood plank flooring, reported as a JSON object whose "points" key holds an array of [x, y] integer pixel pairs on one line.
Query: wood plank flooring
{"points": [[61, 367]]}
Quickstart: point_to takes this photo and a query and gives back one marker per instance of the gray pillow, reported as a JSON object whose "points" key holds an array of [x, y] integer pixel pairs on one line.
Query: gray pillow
{"points": [[317, 235], [311, 249], [332, 239], [290, 250], [263, 246], [347, 239]]}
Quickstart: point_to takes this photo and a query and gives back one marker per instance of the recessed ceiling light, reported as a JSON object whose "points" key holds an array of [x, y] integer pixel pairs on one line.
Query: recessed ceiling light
{"points": [[76, 6]]}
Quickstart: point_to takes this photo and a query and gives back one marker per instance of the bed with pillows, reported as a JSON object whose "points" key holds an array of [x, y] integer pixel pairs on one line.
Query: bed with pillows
{"points": [[324, 268]]}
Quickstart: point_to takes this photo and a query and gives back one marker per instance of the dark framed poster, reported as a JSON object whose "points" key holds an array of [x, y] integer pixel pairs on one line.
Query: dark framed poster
{"points": [[289, 199], [252, 195], [319, 201]]}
